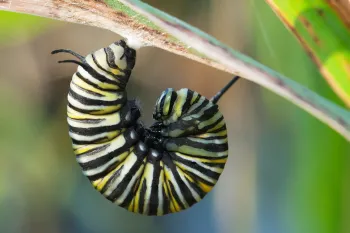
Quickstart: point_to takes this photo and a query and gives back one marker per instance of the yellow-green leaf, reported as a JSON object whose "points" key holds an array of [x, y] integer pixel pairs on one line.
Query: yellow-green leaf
{"points": [[323, 28]]}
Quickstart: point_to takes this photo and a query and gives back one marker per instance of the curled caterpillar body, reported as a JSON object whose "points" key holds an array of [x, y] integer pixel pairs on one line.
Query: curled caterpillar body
{"points": [[162, 169]]}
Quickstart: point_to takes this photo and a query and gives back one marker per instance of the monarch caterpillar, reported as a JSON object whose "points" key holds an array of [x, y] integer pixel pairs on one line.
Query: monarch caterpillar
{"points": [[156, 170]]}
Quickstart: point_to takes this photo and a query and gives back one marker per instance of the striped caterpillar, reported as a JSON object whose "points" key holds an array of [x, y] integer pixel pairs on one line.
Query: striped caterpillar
{"points": [[156, 170]]}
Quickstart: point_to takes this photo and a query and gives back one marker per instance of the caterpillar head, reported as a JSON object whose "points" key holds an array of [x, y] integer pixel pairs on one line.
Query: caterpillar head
{"points": [[165, 105]]}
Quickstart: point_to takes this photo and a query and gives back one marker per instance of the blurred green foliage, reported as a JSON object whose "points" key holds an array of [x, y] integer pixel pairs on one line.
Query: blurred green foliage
{"points": [[20, 27], [319, 27], [318, 156]]}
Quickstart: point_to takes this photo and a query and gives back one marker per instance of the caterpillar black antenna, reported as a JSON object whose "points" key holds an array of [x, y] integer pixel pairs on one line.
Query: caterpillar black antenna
{"points": [[80, 57], [216, 97]]}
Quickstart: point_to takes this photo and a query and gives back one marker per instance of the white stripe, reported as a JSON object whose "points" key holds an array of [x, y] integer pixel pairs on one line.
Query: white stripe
{"points": [[79, 105], [115, 144], [211, 121], [103, 167], [176, 187], [198, 173], [130, 187], [160, 192], [214, 169], [127, 165], [79, 137], [78, 90], [86, 75], [149, 180], [107, 120], [91, 62], [206, 141], [193, 192]]}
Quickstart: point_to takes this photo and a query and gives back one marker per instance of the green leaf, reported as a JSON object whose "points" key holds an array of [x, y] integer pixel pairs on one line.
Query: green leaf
{"points": [[138, 21], [19, 27], [321, 28]]}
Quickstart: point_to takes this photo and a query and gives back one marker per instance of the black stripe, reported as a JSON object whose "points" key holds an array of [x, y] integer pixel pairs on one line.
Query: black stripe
{"points": [[173, 98], [129, 197], [208, 127], [185, 191], [87, 91], [161, 104], [114, 176], [153, 201], [197, 179], [142, 195], [121, 187], [79, 75], [99, 66], [111, 58], [94, 130], [197, 98], [105, 172], [166, 200], [219, 129], [211, 147], [171, 189], [122, 79], [208, 113], [173, 193], [204, 157], [94, 151], [91, 111], [104, 159], [87, 120], [129, 53], [204, 104], [86, 142], [200, 107], [92, 102], [140, 157], [195, 186], [100, 161], [187, 103], [196, 166], [130, 62], [100, 77], [210, 138], [218, 165]]}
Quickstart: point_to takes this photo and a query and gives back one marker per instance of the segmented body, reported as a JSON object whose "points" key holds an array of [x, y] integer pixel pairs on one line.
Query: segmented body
{"points": [[153, 171]]}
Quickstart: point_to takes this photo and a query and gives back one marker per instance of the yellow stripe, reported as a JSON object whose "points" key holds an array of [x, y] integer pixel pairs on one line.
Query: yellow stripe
{"points": [[79, 82], [106, 110], [166, 105], [194, 97], [204, 187], [203, 160], [212, 120], [207, 135], [218, 126]]}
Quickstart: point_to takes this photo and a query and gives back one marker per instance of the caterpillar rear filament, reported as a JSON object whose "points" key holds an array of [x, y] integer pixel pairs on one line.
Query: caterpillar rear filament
{"points": [[155, 170]]}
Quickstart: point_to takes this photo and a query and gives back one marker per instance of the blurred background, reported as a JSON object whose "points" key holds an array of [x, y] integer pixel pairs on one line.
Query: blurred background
{"points": [[287, 172]]}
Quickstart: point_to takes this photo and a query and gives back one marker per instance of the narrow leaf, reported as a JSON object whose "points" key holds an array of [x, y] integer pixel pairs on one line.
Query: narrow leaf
{"points": [[323, 28], [138, 21]]}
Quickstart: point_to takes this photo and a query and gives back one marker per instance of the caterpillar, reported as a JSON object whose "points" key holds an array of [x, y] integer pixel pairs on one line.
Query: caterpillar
{"points": [[156, 170]]}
